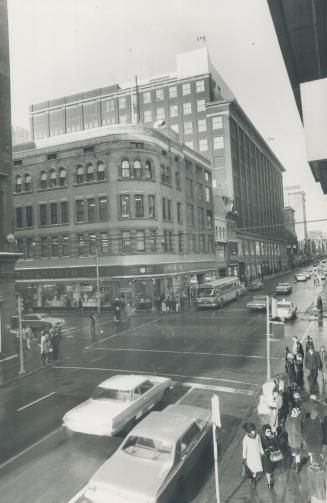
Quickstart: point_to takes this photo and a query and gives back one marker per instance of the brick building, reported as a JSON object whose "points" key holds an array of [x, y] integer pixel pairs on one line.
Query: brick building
{"points": [[125, 201]]}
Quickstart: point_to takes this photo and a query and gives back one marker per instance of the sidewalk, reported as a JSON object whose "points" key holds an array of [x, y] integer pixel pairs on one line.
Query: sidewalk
{"points": [[10, 367]]}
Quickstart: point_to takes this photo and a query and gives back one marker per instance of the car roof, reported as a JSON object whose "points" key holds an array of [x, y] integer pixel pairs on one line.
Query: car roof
{"points": [[124, 382], [37, 314], [163, 425]]}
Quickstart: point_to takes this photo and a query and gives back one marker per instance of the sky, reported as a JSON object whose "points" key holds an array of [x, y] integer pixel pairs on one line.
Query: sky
{"points": [[61, 47]]}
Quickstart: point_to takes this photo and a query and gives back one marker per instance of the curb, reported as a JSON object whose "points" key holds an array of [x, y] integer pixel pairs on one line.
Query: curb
{"points": [[18, 377]]}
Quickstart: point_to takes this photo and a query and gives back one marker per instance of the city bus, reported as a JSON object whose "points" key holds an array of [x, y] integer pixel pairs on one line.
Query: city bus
{"points": [[216, 293]]}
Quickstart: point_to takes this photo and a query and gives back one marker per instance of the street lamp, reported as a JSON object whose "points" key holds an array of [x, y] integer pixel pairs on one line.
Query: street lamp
{"points": [[98, 280]]}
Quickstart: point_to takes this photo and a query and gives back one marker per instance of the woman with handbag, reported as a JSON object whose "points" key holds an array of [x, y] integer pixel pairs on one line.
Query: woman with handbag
{"points": [[252, 452], [293, 426], [272, 453]]}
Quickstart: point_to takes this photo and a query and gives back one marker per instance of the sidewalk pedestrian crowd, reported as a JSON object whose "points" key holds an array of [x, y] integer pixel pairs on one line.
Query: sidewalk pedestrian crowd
{"points": [[50, 345]]}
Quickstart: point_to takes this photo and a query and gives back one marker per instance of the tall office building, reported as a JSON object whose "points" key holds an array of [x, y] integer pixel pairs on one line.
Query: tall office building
{"points": [[295, 197], [7, 239]]}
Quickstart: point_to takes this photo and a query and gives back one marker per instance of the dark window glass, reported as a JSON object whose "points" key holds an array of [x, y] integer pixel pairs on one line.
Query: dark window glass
{"points": [[139, 205], [73, 118], [126, 242], [20, 245], [54, 246], [124, 206], [64, 212], [92, 243], [100, 172], [65, 246], [43, 180], [91, 210], [169, 209], [178, 179], [202, 243], [190, 214], [140, 240], [179, 213], [81, 248], [152, 206], [125, 169], [164, 208], [104, 243], [209, 219], [153, 240], [53, 213], [90, 173], [148, 170], [200, 218], [44, 247], [189, 187], [62, 177], [27, 183], [29, 216], [103, 208], [43, 214], [80, 210], [91, 115], [29, 247], [53, 179], [80, 174], [180, 242]]}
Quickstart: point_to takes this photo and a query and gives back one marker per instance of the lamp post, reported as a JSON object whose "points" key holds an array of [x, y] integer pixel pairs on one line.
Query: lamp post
{"points": [[98, 280]]}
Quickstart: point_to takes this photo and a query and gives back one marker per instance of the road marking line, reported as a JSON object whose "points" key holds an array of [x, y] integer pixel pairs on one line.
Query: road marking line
{"points": [[36, 401], [13, 458], [78, 495], [185, 395], [8, 358], [224, 389], [66, 330], [123, 332], [163, 374], [197, 353]]}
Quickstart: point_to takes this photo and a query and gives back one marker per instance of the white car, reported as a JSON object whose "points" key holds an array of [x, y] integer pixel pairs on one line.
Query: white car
{"points": [[283, 288], [285, 310], [300, 276], [116, 404]]}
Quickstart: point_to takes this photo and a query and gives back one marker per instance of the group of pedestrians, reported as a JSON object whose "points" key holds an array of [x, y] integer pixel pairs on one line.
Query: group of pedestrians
{"points": [[294, 421], [50, 345]]}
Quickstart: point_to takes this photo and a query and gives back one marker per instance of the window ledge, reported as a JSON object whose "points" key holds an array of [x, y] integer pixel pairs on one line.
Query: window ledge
{"points": [[53, 188], [135, 179], [95, 182], [93, 222]]}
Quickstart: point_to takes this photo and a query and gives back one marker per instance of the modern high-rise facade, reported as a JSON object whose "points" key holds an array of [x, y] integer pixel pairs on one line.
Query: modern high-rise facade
{"points": [[295, 197], [7, 238]]}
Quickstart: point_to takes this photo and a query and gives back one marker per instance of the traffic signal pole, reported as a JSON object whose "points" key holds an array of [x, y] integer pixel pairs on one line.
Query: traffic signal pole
{"points": [[21, 352], [268, 339]]}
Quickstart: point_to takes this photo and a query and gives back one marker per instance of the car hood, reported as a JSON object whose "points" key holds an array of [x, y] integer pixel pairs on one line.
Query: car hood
{"points": [[96, 411], [127, 479]]}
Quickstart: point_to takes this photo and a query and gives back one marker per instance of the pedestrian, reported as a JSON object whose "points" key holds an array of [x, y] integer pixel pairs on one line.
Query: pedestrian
{"points": [[44, 348], [80, 304], [313, 437], [311, 403], [55, 342], [173, 304], [298, 365], [269, 444], [295, 402], [93, 319], [309, 343], [297, 347], [168, 304], [163, 305], [293, 427], [313, 364], [117, 310], [319, 304], [290, 368], [252, 452]]}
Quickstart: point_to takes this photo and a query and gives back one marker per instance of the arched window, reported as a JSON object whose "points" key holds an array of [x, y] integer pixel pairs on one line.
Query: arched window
{"points": [[18, 185], [53, 178], [90, 173], [44, 180], [62, 177], [100, 172], [125, 169], [148, 169], [137, 169], [27, 183], [80, 174]]}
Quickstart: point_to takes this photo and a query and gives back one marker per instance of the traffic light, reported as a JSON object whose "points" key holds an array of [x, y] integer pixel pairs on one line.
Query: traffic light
{"points": [[20, 303]]}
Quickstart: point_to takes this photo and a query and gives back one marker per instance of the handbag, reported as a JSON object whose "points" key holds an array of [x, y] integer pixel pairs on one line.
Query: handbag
{"points": [[275, 455]]}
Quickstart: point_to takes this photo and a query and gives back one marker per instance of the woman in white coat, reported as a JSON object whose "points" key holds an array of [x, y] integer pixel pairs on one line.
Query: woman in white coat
{"points": [[252, 452]]}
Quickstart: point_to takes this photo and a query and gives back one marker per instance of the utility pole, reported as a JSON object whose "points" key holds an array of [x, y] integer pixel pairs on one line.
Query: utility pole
{"points": [[21, 352], [98, 282], [268, 339]]}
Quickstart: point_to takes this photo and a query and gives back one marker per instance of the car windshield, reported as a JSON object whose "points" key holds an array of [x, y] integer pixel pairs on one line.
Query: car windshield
{"points": [[111, 394], [205, 292], [148, 448], [284, 305]]}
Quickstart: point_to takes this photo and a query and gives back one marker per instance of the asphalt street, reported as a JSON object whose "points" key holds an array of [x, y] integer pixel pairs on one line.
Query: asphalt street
{"points": [[204, 352]]}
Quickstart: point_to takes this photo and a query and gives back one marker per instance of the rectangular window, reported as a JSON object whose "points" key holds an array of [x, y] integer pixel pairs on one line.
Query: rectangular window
{"points": [[208, 194], [93, 245], [140, 240], [180, 242], [152, 206], [160, 113], [199, 85], [190, 214], [203, 144], [188, 128], [199, 191], [139, 205], [74, 118], [91, 114], [29, 247], [108, 105], [53, 213], [65, 246], [200, 218], [64, 212], [44, 247], [175, 128], [179, 213], [122, 102], [29, 216], [159, 94], [189, 144], [187, 108], [201, 105], [153, 240], [178, 179], [79, 210], [186, 89], [124, 206], [103, 208], [147, 116], [217, 122], [202, 125], [164, 208], [126, 242], [173, 111], [218, 142], [54, 246], [207, 176], [209, 219], [104, 243], [91, 210], [147, 97], [43, 214], [169, 209], [193, 243], [202, 243], [189, 187], [173, 92], [81, 248]]}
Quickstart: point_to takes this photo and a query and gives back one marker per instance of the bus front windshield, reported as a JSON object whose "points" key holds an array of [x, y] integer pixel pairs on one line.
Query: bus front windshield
{"points": [[205, 292]]}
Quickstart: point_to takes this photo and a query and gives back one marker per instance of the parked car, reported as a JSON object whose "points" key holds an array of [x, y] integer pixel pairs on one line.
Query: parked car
{"points": [[155, 458], [300, 276], [258, 303], [283, 288], [37, 321], [255, 284], [285, 310], [116, 404]]}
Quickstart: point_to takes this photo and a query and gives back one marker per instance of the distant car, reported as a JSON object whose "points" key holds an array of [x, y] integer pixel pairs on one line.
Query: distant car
{"points": [[285, 310], [154, 460], [40, 321], [283, 288], [258, 303], [116, 404], [308, 274], [243, 289], [255, 284], [300, 276]]}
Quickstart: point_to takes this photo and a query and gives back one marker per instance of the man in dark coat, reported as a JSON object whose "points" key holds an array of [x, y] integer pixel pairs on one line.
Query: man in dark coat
{"points": [[319, 304], [312, 363], [313, 436]]}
